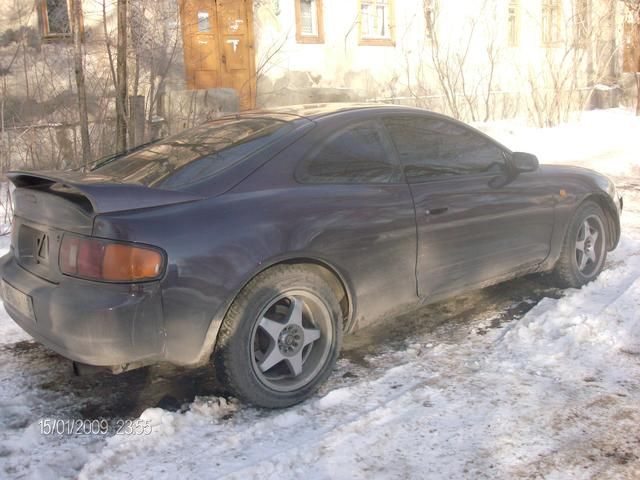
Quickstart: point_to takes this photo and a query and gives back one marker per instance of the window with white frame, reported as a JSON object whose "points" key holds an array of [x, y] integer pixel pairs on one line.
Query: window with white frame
{"points": [[308, 18], [551, 18], [309, 28], [582, 23], [376, 22], [514, 23]]}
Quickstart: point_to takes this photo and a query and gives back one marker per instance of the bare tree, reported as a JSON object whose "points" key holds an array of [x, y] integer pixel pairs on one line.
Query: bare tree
{"points": [[571, 68], [155, 40], [121, 77], [461, 72], [78, 60]]}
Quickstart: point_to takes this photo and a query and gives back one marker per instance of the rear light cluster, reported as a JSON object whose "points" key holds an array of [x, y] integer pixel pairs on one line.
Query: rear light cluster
{"points": [[103, 260]]}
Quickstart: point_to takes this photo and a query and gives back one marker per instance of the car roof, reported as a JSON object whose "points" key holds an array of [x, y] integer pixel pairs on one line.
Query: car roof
{"points": [[313, 111]]}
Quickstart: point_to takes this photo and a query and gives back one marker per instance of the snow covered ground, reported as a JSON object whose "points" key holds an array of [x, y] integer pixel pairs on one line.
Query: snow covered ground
{"points": [[520, 380]]}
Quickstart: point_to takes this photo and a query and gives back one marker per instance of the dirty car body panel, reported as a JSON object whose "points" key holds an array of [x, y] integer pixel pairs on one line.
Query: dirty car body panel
{"points": [[392, 241]]}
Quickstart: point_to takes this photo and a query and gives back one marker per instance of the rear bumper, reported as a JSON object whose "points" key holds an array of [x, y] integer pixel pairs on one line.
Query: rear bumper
{"points": [[88, 322]]}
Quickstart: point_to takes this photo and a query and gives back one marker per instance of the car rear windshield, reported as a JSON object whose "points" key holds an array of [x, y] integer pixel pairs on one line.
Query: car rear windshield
{"points": [[195, 154]]}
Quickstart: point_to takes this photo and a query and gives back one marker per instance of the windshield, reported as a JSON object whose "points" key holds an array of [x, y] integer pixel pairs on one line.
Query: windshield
{"points": [[194, 154]]}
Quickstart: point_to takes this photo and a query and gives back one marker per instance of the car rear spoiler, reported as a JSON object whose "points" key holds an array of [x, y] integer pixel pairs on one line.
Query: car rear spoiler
{"points": [[104, 196]]}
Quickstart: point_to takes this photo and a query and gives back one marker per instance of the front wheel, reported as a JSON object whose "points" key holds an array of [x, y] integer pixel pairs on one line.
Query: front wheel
{"points": [[584, 250], [281, 337]]}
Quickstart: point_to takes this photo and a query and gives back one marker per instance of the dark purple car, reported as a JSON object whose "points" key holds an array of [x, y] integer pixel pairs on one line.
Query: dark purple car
{"points": [[257, 240]]}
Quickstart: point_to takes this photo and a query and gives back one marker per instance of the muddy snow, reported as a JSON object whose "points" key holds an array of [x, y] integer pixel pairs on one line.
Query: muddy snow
{"points": [[520, 380]]}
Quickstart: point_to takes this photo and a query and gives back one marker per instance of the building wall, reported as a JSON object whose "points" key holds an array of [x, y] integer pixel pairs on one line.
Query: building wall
{"points": [[340, 68], [470, 34], [339, 63]]}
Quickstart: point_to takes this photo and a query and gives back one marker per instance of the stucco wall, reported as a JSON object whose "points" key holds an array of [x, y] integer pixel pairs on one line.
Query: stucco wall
{"points": [[469, 32]]}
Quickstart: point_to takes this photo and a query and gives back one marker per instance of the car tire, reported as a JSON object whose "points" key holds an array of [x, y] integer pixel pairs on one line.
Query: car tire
{"points": [[584, 249], [280, 338]]}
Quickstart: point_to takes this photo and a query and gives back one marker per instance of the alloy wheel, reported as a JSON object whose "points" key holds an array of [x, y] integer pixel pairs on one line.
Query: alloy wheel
{"points": [[291, 341], [590, 246]]}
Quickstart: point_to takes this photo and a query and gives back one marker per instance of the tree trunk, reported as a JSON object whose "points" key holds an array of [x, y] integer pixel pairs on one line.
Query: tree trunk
{"points": [[4, 152], [78, 60], [121, 80], [135, 135]]}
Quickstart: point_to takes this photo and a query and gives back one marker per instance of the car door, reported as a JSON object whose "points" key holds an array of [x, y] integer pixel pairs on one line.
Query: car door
{"points": [[476, 222], [357, 210]]}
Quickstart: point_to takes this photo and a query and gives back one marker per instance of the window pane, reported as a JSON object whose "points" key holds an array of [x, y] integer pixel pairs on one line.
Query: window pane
{"points": [[551, 18], [308, 17], [545, 25], [381, 21], [203, 22], [513, 33], [366, 21], [194, 154], [355, 156], [58, 16], [432, 147], [374, 19]]}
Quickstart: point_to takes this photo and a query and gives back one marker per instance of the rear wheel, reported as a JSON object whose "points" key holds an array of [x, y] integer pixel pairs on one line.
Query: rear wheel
{"points": [[280, 338], [585, 247]]}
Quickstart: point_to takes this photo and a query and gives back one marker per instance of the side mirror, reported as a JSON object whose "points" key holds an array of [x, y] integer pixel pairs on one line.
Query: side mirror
{"points": [[524, 162]]}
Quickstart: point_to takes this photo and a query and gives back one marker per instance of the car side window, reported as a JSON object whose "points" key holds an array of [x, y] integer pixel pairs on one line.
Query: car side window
{"points": [[357, 155], [432, 147]]}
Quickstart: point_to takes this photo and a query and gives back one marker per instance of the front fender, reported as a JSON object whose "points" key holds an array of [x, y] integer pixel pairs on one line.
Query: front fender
{"points": [[576, 185]]}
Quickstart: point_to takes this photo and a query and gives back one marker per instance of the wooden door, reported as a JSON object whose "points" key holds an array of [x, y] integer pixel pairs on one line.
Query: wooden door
{"points": [[218, 46], [236, 45], [201, 53]]}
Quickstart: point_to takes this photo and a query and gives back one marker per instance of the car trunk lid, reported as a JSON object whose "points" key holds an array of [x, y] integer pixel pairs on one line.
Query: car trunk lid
{"points": [[48, 204]]}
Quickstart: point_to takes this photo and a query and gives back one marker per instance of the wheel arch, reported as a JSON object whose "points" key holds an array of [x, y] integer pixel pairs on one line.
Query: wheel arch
{"points": [[338, 282], [335, 279]]}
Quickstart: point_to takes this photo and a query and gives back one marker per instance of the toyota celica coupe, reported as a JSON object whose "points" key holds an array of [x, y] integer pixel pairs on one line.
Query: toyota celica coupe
{"points": [[256, 241]]}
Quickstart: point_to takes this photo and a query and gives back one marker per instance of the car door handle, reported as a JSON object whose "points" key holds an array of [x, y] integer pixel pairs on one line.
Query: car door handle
{"points": [[436, 211]]}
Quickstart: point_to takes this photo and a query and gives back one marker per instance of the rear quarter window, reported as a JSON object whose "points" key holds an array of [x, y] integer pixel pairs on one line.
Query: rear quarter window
{"points": [[357, 155]]}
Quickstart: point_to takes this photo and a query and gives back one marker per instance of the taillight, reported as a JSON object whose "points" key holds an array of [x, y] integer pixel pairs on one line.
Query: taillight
{"points": [[103, 260]]}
